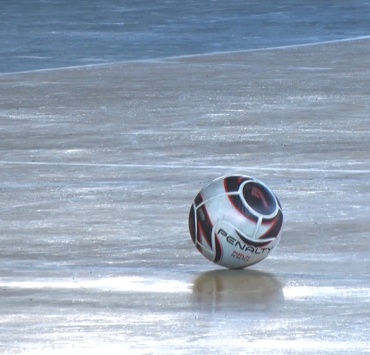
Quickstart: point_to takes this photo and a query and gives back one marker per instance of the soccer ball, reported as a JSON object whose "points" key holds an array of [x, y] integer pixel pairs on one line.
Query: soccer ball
{"points": [[235, 221]]}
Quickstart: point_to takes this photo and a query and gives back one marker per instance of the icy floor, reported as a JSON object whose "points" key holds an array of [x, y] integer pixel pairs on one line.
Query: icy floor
{"points": [[99, 167]]}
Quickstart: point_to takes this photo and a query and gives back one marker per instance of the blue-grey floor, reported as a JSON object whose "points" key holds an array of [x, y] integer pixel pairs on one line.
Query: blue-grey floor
{"points": [[99, 166]]}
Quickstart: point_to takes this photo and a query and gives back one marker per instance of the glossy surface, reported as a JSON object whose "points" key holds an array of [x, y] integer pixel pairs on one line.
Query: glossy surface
{"points": [[99, 167]]}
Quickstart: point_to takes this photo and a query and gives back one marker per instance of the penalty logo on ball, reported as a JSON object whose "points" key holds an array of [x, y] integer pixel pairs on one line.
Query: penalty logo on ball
{"points": [[235, 221]]}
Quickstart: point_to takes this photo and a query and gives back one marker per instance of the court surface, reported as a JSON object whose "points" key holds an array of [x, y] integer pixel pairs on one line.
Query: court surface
{"points": [[99, 166]]}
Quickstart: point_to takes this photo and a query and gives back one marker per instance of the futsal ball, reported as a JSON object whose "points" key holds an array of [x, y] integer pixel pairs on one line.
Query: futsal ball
{"points": [[235, 221]]}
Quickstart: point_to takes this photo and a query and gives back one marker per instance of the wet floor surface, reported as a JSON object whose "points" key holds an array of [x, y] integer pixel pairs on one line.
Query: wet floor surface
{"points": [[99, 167]]}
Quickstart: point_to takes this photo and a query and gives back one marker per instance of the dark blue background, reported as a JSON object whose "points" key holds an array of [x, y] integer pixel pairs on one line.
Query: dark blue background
{"points": [[37, 34]]}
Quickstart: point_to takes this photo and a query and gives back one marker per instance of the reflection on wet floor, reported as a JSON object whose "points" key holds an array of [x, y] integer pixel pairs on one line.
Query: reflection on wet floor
{"points": [[241, 290]]}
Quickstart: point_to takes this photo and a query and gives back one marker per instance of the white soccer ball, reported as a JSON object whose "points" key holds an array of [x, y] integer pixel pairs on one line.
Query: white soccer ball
{"points": [[236, 221]]}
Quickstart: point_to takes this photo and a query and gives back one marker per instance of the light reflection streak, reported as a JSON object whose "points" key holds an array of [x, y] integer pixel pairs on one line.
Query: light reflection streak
{"points": [[277, 346], [123, 284], [308, 345], [146, 285], [302, 292], [187, 166]]}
